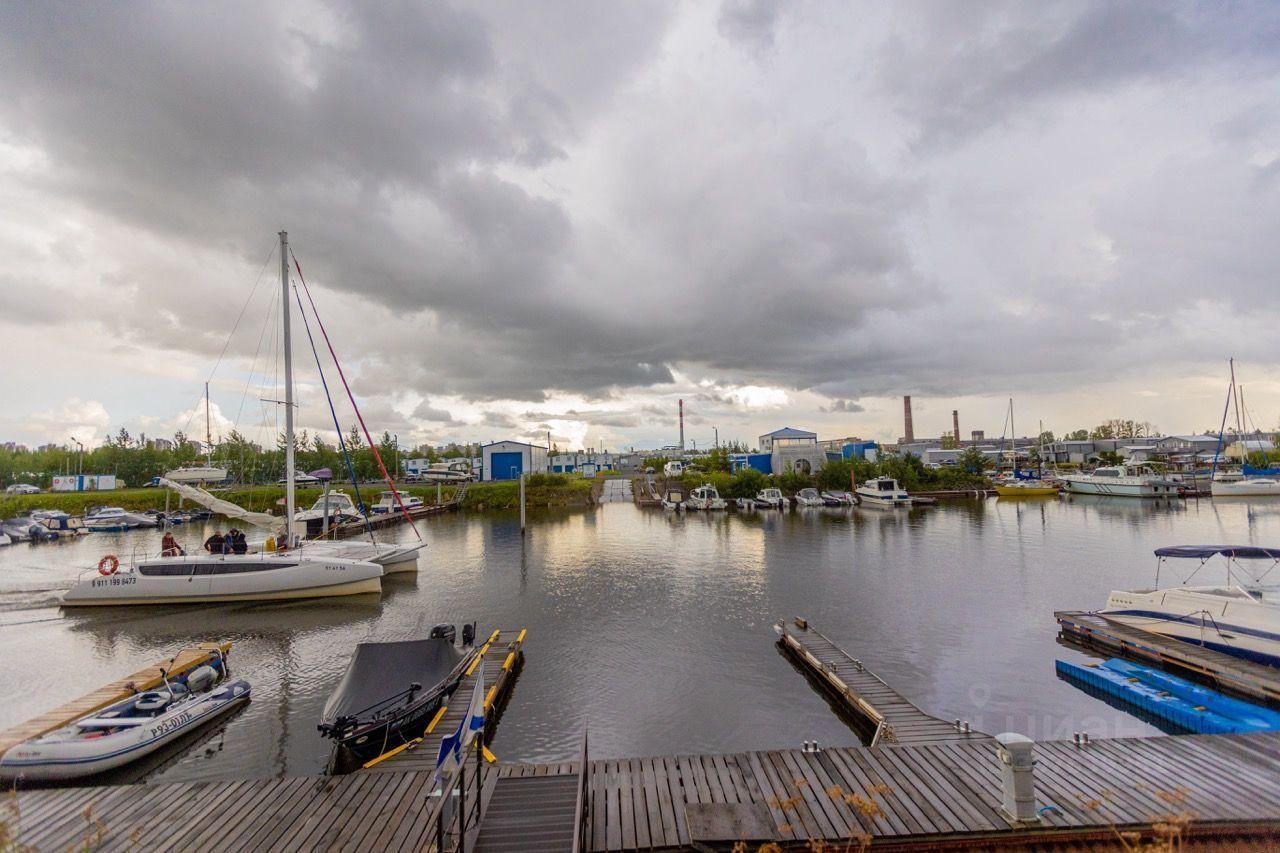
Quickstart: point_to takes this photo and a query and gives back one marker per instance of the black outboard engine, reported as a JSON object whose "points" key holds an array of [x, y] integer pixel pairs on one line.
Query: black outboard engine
{"points": [[445, 632], [469, 634]]}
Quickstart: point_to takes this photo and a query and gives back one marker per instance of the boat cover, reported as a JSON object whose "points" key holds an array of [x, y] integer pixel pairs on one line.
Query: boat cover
{"points": [[1203, 552], [1250, 471], [379, 671]]}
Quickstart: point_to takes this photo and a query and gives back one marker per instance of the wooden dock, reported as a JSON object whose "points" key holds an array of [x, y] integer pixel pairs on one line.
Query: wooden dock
{"points": [[387, 519], [939, 796], [503, 659], [885, 716], [1249, 680], [122, 688]]}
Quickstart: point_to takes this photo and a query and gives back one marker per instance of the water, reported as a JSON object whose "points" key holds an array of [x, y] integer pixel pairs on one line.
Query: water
{"points": [[652, 628]]}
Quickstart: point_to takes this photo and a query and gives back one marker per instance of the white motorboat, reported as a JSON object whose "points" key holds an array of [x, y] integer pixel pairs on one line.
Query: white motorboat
{"points": [[1235, 484], [1240, 618], [340, 506], [127, 730], [809, 497], [1131, 481], [60, 523], [111, 519], [387, 503], [448, 472], [673, 500], [770, 499], [838, 498], [882, 492], [705, 497]]}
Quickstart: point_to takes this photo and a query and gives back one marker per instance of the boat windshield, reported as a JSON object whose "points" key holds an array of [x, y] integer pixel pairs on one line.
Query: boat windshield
{"points": [[337, 500], [210, 567]]}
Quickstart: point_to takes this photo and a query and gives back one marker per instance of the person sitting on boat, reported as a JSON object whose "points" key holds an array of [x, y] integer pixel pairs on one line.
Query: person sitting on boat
{"points": [[214, 543], [228, 541], [169, 546], [238, 543]]}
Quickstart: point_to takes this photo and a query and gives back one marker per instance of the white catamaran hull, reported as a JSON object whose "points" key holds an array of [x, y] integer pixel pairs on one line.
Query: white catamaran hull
{"points": [[1225, 620], [53, 759], [1257, 487]]}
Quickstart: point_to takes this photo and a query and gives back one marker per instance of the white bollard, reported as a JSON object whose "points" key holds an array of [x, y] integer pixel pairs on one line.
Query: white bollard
{"points": [[1017, 771]]}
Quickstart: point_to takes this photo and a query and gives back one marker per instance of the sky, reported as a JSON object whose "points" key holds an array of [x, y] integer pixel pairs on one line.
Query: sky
{"points": [[562, 217]]}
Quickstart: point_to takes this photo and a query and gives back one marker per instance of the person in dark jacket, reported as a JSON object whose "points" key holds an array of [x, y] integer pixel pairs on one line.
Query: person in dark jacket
{"points": [[214, 543], [238, 543]]}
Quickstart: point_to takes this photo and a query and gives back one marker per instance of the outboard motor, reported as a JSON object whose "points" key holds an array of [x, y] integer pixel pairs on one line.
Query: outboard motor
{"points": [[469, 634], [444, 632], [202, 678]]}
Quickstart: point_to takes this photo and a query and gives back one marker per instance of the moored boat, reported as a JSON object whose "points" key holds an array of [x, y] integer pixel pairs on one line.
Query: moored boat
{"points": [[1235, 484], [673, 499], [770, 499], [387, 503], [809, 497], [1131, 481], [883, 493], [705, 497], [838, 498]]}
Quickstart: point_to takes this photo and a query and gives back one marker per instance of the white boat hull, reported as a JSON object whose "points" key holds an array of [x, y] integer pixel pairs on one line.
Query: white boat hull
{"points": [[197, 475], [1222, 620], [57, 760], [1120, 487], [1260, 487]]}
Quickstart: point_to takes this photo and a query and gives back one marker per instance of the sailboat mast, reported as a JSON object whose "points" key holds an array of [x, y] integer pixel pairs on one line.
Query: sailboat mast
{"points": [[208, 431], [289, 496], [1013, 436]]}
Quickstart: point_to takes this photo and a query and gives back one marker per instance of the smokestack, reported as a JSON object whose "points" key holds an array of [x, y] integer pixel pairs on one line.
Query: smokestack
{"points": [[682, 426], [908, 433], [955, 425]]}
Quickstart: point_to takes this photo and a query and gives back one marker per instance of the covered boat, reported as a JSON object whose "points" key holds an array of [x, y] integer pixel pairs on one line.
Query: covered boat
{"points": [[389, 693]]}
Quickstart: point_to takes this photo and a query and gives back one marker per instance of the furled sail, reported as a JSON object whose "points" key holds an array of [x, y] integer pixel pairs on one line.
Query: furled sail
{"points": [[218, 505]]}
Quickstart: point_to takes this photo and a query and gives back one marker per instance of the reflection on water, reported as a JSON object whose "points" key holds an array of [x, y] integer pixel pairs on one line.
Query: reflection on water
{"points": [[651, 626]]}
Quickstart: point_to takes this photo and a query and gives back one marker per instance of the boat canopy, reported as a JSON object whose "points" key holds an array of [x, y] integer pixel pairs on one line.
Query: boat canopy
{"points": [[380, 672], [1204, 552], [1250, 471]]}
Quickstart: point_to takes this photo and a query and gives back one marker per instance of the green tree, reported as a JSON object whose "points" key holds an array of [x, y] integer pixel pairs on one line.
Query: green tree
{"points": [[974, 461], [1077, 435]]}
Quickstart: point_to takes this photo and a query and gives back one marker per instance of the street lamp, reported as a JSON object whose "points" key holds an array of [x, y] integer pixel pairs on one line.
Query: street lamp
{"points": [[80, 458], [397, 440]]}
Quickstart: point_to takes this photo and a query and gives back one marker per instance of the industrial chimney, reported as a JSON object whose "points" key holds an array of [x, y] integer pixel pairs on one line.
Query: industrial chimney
{"points": [[909, 433], [955, 425], [682, 427]]}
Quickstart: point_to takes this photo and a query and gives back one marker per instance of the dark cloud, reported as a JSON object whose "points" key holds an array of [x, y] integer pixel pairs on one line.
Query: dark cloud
{"points": [[843, 406]]}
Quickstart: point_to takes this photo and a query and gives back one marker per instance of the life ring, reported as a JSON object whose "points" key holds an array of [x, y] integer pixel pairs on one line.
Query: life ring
{"points": [[108, 565]]}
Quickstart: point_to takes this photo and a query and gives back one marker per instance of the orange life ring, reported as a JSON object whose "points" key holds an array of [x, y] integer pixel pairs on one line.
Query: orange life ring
{"points": [[108, 565]]}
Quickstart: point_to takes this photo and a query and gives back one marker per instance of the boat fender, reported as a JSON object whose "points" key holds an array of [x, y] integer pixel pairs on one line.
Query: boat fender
{"points": [[202, 678], [108, 565]]}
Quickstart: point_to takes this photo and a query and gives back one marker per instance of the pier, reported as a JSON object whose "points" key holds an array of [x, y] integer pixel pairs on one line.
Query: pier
{"points": [[1246, 679], [392, 519]]}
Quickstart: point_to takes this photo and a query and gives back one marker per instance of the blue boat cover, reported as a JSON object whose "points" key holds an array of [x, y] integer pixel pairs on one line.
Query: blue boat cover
{"points": [[1250, 471], [1203, 552]]}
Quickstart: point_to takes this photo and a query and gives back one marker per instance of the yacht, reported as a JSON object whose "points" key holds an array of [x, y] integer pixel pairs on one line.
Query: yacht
{"points": [[1131, 481], [1239, 618], [882, 492], [705, 497], [387, 503], [111, 519], [1235, 484], [339, 505], [809, 497], [770, 499], [197, 474], [448, 472], [282, 571]]}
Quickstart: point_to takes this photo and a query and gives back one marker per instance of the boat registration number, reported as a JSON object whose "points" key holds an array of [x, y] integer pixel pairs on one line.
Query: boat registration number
{"points": [[335, 568], [113, 580], [171, 724]]}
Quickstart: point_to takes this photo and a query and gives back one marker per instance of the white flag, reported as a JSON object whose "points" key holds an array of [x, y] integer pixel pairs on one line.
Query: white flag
{"points": [[454, 745]]}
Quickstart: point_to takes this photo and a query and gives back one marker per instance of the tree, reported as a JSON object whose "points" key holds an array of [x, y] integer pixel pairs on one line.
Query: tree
{"points": [[1077, 435], [949, 441], [973, 460]]}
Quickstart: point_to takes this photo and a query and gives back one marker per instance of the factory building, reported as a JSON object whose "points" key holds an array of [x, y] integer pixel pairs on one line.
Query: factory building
{"points": [[507, 460]]}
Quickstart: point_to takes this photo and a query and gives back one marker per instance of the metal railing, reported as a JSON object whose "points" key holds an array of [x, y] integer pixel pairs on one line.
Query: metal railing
{"points": [[582, 808]]}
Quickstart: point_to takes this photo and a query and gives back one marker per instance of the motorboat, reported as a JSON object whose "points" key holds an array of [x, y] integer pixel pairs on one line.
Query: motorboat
{"points": [[60, 523], [26, 530], [838, 498], [6, 539], [198, 474], [673, 499], [112, 519], [883, 492], [1236, 484], [1132, 481], [394, 558], [389, 693], [809, 497], [745, 503], [705, 497], [340, 506], [1240, 618], [387, 503], [770, 499], [129, 729], [448, 472]]}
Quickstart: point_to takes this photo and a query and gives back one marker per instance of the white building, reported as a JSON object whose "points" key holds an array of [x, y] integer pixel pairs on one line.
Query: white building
{"points": [[507, 460], [793, 450]]}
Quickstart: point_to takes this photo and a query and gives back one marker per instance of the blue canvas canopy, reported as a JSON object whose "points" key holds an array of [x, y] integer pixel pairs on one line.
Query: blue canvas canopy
{"points": [[1250, 471], [1204, 552]]}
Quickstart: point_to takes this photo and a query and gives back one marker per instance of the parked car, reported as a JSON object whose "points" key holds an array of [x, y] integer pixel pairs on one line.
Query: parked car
{"points": [[23, 489]]}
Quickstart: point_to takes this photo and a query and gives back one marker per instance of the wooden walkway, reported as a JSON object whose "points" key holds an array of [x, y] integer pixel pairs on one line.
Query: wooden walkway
{"points": [[888, 716], [530, 813], [908, 795], [1249, 680], [144, 679], [503, 659]]}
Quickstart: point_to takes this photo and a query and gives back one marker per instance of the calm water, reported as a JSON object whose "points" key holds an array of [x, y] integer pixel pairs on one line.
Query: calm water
{"points": [[654, 628]]}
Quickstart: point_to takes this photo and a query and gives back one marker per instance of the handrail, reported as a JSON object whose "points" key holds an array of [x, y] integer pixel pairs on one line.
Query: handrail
{"points": [[582, 808]]}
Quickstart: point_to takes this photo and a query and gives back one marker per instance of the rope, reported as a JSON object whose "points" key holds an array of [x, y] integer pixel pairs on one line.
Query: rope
{"points": [[376, 455], [342, 445]]}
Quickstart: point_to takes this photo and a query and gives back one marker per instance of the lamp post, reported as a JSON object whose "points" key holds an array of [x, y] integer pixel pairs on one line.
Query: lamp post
{"points": [[80, 458]]}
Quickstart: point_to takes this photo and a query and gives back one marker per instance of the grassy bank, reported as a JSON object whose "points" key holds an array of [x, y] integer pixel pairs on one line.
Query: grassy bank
{"points": [[540, 490], [257, 498]]}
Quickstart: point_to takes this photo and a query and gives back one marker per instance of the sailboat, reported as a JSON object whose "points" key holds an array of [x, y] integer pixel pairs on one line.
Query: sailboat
{"points": [[1248, 481], [282, 571], [208, 472], [1022, 485]]}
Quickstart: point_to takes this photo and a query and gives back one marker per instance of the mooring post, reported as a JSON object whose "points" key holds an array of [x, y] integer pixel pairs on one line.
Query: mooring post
{"points": [[1017, 772], [521, 503]]}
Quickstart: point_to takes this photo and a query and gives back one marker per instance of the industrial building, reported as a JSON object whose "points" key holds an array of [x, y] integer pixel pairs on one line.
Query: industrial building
{"points": [[792, 449], [584, 462], [507, 460]]}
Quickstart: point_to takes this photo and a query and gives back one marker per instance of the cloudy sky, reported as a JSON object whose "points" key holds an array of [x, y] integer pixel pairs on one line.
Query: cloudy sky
{"points": [[565, 216]]}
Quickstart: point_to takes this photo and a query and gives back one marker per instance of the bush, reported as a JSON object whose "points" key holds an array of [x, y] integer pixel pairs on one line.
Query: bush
{"points": [[746, 483]]}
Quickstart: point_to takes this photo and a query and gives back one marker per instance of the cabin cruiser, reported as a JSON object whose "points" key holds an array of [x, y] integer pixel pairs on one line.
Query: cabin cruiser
{"points": [[705, 497], [25, 530], [389, 693], [1235, 484], [59, 523], [1239, 618], [770, 499], [673, 499], [1132, 481], [447, 472], [809, 497], [340, 507], [838, 498], [111, 519], [387, 503], [197, 474], [129, 729], [882, 492]]}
